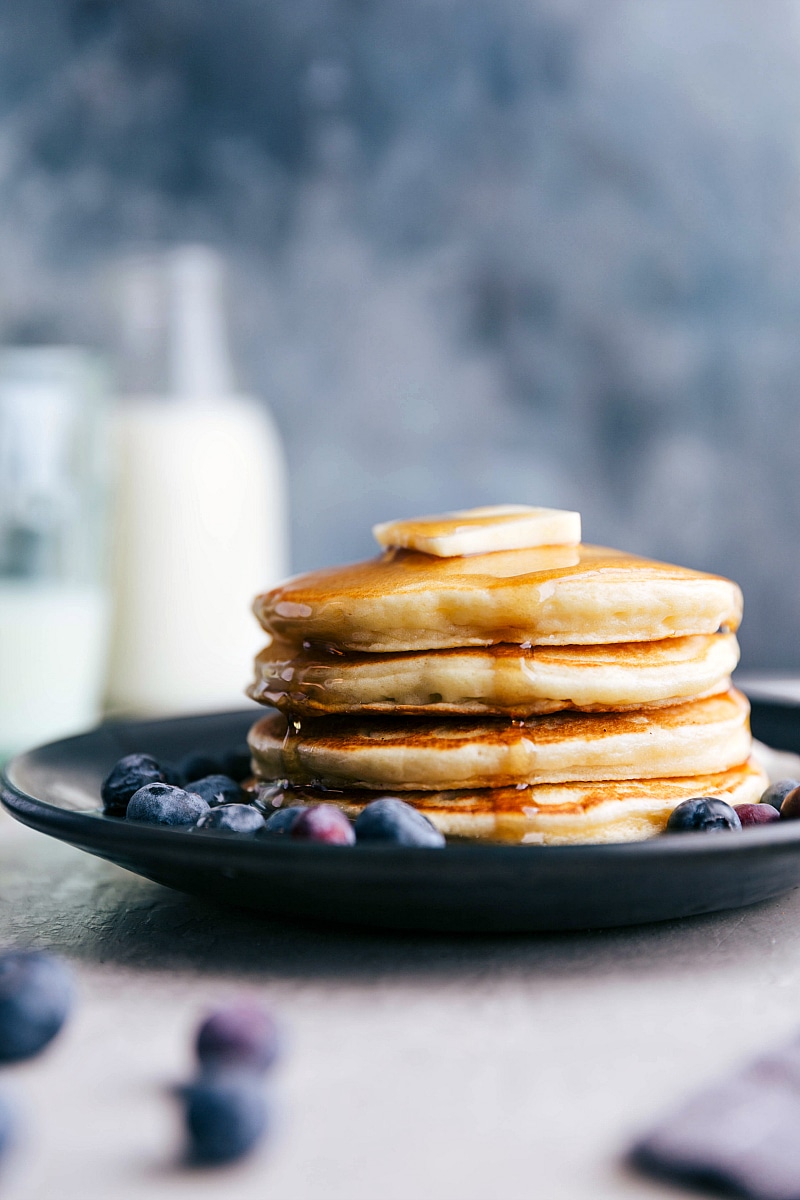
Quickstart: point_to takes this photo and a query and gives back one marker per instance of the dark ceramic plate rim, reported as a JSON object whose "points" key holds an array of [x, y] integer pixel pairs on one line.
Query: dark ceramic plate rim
{"points": [[99, 834]]}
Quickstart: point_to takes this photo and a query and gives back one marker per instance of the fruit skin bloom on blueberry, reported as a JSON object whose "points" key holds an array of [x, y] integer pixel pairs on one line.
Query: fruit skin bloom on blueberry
{"points": [[226, 1117], [281, 821], [241, 1036], [392, 820], [704, 813], [162, 804], [217, 789], [126, 777], [233, 818], [36, 997]]}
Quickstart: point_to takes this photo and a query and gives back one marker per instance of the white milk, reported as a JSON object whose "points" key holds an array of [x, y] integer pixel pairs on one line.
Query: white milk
{"points": [[52, 652], [200, 522], [199, 530]]}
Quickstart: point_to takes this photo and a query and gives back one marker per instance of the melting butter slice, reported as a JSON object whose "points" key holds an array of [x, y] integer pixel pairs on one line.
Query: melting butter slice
{"points": [[481, 530]]}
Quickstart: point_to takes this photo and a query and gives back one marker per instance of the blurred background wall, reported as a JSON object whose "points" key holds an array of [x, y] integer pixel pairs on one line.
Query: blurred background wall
{"points": [[539, 251]]}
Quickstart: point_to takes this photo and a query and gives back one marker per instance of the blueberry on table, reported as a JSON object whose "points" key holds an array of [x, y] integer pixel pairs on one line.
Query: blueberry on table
{"points": [[36, 996], [756, 814], [162, 804], [197, 766], [226, 1117], [392, 820], [242, 1036], [282, 820], [776, 793], [323, 823], [233, 818], [704, 813], [126, 777], [217, 789]]}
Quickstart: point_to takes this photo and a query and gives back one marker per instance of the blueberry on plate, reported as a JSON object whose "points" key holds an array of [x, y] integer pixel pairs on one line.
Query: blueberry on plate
{"points": [[36, 997], [323, 823], [242, 1035], [232, 818], [776, 793], [790, 808], [392, 820], [705, 813], [197, 766], [226, 1117], [127, 776], [756, 814], [282, 820], [218, 789], [162, 804]]}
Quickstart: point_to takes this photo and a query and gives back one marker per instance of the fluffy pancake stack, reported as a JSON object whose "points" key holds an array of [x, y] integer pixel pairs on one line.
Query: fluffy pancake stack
{"points": [[527, 692]]}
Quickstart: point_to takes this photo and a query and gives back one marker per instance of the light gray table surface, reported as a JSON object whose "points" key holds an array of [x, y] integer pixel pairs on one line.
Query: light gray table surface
{"points": [[485, 1068]]}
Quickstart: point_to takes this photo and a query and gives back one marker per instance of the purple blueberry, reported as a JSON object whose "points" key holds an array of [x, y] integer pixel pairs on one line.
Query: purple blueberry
{"points": [[197, 766], [281, 821], [392, 820], [323, 823], [237, 763], [704, 813], [226, 1117], [776, 793], [217, 789], [162, 804], [242, 1036], [126, 777], [233, 818], [36, 996], [756, 814]]}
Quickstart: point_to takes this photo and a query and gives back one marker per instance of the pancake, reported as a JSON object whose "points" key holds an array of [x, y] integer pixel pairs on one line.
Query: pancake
{"points": [[558, 814], [501, 679], [695, 738], [552, 595]]}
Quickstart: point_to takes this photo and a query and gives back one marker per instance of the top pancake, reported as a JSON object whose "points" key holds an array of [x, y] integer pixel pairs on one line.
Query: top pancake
{"points": [[552, 595]]}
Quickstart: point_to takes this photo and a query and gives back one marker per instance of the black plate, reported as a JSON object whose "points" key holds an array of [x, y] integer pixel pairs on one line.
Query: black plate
{"points": [[463, 887]]}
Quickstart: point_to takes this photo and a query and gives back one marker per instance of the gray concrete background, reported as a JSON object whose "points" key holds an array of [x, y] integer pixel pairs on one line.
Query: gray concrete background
{"points": [[530, 250], [455, 1068]]}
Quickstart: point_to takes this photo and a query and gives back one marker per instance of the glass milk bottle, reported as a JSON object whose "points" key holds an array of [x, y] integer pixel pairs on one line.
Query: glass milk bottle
{"points": [[53, 510], [200, 515]]}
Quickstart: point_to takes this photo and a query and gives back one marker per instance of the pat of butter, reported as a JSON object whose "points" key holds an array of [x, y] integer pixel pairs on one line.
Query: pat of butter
{"points": [[482, 530]]}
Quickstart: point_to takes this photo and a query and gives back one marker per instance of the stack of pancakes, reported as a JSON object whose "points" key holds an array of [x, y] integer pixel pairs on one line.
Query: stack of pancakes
{"points": [[561, 693]]}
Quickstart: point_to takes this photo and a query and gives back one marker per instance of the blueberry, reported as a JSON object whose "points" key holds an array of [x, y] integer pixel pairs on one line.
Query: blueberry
{"points": [[162, 804], [126, 777], [323, 823], [197, 766], [705, 813], [226, 1117], [36, 996], [392, 820], [776, 793], [237, 764], [241, 1035], [217, 789], [233, 818], [790, 809], [756, 814], [282, 820]]}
